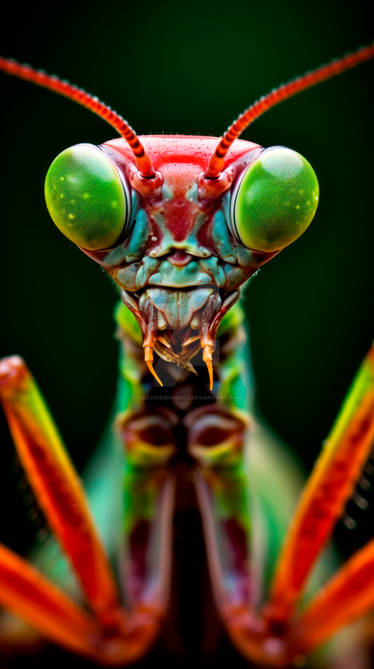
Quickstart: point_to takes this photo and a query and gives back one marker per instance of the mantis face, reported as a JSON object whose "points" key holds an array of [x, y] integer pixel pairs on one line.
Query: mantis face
{"points": [[180, 245]]}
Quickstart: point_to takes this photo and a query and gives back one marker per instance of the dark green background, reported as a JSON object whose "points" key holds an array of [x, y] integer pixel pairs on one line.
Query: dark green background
{"points": [[187, 68]]}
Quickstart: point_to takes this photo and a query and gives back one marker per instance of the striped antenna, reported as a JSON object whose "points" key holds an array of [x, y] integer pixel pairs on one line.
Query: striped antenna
{"points": [[72, 92], [277, 95]]}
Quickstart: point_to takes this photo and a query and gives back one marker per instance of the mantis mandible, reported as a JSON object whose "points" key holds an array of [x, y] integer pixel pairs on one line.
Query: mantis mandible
{"points": [[181, 223]]}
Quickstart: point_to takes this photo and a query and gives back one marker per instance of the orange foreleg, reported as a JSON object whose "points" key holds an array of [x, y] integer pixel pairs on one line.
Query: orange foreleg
{"points": [[56, 484], [323, 499]]}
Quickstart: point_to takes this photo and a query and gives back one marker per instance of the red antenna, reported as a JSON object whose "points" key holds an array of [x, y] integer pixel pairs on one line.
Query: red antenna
{"points": [[55, 84], [277, 95]]}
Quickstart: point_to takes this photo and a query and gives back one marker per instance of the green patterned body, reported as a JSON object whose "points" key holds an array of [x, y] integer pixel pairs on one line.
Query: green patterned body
{"points": [[184, 426]]}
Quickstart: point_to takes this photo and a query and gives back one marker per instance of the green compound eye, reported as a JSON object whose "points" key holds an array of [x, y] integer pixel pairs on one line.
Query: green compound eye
{"points": [[86, 197], [275, 200]]}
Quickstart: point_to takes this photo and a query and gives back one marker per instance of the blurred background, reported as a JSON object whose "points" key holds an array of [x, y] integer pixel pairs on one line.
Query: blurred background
{"points": [[187, 68]]}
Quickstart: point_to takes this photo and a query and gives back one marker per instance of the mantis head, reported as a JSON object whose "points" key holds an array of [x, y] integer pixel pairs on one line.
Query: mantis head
{"points": [[180, 245]]}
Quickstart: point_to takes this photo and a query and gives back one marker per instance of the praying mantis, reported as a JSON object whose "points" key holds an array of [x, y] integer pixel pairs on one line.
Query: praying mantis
{"points": [[181, 223]]}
